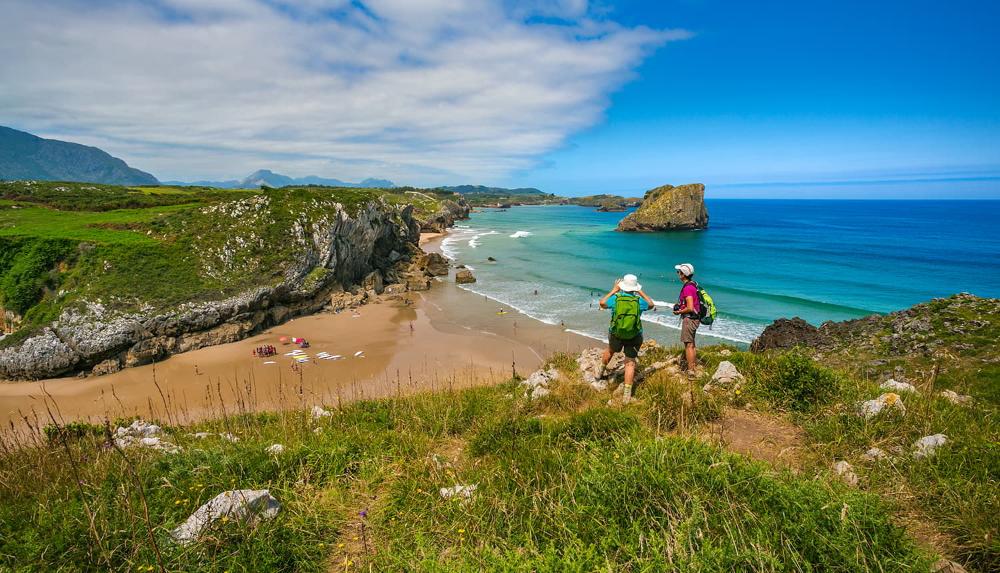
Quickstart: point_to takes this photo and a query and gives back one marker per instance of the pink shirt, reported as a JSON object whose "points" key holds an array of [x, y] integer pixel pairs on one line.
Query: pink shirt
{"points": [[689, 290]]}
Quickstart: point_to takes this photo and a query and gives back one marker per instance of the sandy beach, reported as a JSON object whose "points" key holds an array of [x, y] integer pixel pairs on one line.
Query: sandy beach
{"points": [[433, 339]]}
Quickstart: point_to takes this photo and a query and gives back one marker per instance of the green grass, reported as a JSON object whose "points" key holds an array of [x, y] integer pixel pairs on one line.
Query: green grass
{"points": [[955, 492], [563, 485]]}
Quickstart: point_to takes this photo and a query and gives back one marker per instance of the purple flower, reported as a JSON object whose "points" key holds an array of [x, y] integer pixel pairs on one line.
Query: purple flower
{"points": [[363, 513]]}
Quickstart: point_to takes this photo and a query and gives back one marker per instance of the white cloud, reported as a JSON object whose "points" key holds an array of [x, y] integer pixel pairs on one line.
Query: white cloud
{"points": [[423, 92]]}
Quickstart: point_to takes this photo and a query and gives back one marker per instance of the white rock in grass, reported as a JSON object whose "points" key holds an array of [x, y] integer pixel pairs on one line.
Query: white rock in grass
{"points": [[201, 435], [726, 375], [874, 455], [275, 449], [884, 403], [892, 384], [458, 491], [229, 437], [539, 392], [956, 398], [927, 446], [248, 505], [846, 472], [318, 413], [143, 434]]}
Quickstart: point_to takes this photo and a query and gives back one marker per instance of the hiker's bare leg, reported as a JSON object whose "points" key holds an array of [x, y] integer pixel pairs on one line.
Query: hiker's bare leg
{"points": [[691, 354], [629, 370], [606, 357]]}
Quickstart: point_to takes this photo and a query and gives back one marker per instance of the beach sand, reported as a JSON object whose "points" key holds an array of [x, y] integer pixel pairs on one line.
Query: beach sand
{"points": [[445, 337]]}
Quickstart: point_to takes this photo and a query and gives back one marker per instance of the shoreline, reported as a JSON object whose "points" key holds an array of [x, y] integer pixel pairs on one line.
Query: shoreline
{"points": [[413, 342]]}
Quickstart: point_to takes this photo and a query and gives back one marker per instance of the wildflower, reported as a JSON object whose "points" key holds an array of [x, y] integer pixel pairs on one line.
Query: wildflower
{"points": [[363, 513], [177, 502], [340, 546], [461, 531]]}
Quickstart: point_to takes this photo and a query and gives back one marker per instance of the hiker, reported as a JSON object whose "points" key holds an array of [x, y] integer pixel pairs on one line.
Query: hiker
{"points": [[688, 307], [627, 302]]}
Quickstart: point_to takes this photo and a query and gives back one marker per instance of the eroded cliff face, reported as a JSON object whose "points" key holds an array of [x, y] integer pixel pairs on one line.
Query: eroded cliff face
{"points": [[330, 250], [446, 216], [669, 208]]}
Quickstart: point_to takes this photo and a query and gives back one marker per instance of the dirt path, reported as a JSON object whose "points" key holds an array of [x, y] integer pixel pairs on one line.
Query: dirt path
{"points": [[761, 436]]}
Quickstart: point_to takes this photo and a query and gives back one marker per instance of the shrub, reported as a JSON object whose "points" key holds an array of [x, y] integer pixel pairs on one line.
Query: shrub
{"points": [[799, 383]]}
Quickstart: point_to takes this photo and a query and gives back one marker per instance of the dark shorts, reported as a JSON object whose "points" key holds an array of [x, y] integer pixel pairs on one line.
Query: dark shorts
{"points": [[630, 347], [689, 326]]}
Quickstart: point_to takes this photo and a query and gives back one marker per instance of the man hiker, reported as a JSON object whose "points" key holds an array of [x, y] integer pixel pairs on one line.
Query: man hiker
{"points": [[688, 307], [627, 302]]}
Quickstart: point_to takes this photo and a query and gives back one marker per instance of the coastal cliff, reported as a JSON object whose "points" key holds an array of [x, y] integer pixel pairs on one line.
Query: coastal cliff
{"points": [[227, 268], [669, 208]]}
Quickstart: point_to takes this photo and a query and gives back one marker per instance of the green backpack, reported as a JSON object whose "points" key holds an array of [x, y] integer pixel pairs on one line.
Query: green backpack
{"points": [[707, 306], [625, 323]]}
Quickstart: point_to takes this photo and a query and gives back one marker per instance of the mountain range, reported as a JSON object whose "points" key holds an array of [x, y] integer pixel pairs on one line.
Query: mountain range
{"points": [[268, 178], [24, 156]]}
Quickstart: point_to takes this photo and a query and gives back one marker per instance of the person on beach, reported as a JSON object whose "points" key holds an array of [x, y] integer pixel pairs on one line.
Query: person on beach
{"points": [[688, 307], [627, 302]]}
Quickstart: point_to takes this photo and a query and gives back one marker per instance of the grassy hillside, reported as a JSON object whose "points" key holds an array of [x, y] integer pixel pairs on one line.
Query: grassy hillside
{"points": [[564, 483], [154, 247]]}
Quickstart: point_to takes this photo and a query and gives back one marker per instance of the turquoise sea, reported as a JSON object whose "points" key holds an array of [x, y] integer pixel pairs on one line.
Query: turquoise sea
{"points": [[760, 260]]}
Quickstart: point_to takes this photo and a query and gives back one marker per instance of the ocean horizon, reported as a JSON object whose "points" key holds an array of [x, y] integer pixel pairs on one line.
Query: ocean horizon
{"points": [[761, 259]]}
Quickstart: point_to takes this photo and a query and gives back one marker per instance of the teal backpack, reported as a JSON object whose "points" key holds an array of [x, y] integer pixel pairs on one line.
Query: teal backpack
{"points": [[625, 323]]}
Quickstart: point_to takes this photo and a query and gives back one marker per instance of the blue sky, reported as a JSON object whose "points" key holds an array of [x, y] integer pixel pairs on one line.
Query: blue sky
{"points": [[831, 94], [756, 99]]}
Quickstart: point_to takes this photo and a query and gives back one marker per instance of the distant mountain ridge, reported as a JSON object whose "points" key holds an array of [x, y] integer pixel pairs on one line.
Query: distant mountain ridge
{"points": [[268, 178], [482, 189], [24, 156]]}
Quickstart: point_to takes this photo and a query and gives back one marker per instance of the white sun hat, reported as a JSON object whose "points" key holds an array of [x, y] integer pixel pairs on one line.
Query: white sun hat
{"points": [[686, 268], [629, 283]]}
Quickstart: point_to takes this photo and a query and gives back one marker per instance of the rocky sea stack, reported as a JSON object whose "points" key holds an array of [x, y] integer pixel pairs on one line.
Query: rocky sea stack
{"points": [[669, 208]]}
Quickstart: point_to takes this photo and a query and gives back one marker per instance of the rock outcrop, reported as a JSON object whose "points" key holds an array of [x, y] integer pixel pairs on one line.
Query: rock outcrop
{"points": [[669, 208], [449, 212], [464, 276]]}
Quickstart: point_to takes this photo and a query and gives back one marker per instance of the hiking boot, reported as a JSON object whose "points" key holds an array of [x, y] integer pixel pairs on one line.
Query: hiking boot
{"points": [[692, 374]]}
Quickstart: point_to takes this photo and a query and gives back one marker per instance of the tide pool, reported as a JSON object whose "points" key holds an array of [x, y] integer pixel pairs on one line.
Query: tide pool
{"points": [[760, 260]]}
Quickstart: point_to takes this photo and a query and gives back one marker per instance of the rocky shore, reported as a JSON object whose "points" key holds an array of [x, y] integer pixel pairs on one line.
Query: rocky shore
{"points": [[343, 260]]}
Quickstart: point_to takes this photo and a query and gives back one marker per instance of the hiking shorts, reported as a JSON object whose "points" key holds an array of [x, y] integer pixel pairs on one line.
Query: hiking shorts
{"points": [[688, 327], [630, 347]]}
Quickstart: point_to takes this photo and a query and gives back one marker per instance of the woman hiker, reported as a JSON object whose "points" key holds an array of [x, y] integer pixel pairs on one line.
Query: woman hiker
{"points": [[688, 307], [627, 302]]}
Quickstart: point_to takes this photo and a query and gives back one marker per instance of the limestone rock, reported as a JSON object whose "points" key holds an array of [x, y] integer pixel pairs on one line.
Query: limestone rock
{"points": [[846, 472], [874, 454], [418, 282], [669, 208], [433, 264], [884, 403], [726, 375], [246, 505], [927, 446], [109, 366], [895, 386], [464, 276], [318, 413], [537, 384], [145, 435], [275, 449], [458, 491], [956, 398]]}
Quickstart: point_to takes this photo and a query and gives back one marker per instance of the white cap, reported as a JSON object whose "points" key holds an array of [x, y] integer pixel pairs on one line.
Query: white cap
{"points": [[686, 268], [629, 283]]}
